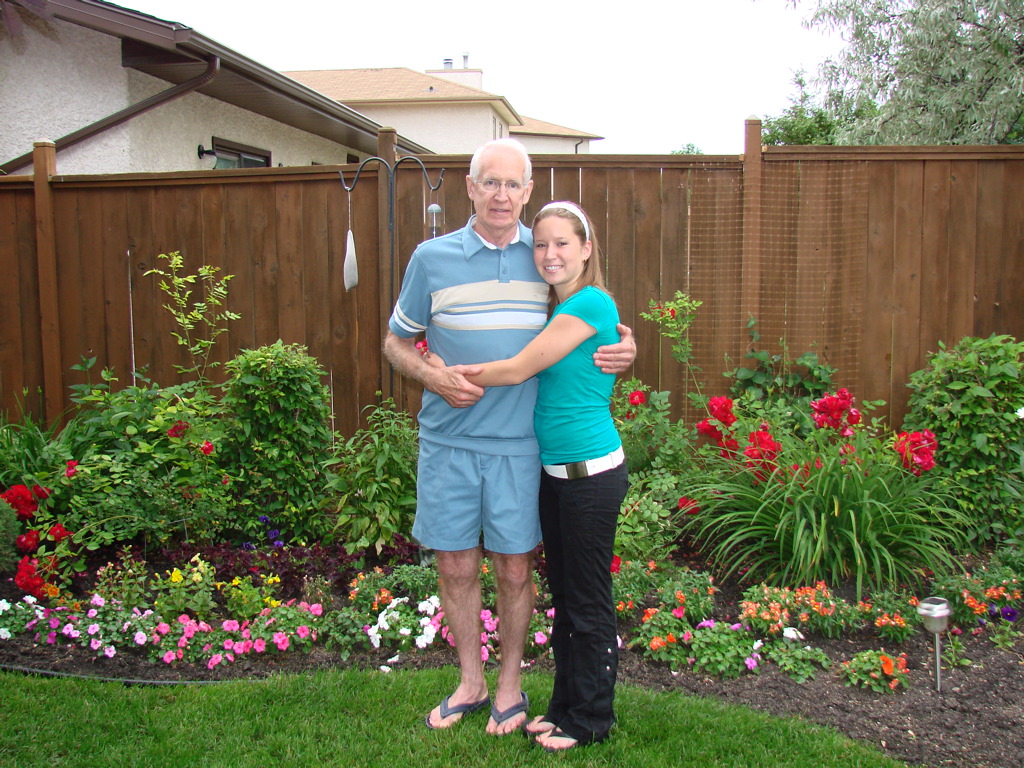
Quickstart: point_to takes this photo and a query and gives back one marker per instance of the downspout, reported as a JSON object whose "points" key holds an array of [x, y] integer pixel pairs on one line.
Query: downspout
{"points": [[212, 68]]}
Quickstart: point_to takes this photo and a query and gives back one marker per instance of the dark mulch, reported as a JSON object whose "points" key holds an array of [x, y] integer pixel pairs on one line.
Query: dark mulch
{"points": [[974, 722]]}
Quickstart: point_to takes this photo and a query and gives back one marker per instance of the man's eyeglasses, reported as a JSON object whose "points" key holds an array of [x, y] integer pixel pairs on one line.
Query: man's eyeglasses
{"points": [[493, 185]]}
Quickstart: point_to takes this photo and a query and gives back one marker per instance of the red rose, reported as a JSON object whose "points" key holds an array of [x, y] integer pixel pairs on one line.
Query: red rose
{"points": [[27, 580], [28, 542], [688, 506], [69, 470], [637, 398], [58, 532], [616, 564], [40, 493], [178, 429], [206, 447], [20, 497]]}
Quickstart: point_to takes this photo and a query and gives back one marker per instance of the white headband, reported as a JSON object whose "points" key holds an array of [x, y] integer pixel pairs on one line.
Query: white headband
{"points": [[574, 210]]}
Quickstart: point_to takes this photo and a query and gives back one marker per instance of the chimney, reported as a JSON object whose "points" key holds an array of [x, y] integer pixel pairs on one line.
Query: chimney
{"points": [[447, 63], [465, 61]]}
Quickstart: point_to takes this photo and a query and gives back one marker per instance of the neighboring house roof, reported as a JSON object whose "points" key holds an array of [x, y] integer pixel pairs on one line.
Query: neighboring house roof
{"points": [[174, 52], [533, 127], [398, 85]]}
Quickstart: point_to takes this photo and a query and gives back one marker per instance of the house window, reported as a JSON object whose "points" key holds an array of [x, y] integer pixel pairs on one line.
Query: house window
{"points": [[231, 154]]}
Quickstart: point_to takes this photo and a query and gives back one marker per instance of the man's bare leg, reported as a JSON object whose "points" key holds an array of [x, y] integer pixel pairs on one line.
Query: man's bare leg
{"points": [[514, 575], [459, 573]]}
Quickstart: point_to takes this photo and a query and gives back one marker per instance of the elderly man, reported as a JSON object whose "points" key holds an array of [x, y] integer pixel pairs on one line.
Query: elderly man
{"points": [[477, 296]]}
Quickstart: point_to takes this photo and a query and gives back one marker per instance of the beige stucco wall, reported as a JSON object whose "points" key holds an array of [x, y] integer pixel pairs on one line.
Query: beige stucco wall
{"points": [[60, 77], [442, 128]]}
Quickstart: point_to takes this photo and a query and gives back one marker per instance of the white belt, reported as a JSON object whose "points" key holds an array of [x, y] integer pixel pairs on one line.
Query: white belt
{"points": [[577, 469]]}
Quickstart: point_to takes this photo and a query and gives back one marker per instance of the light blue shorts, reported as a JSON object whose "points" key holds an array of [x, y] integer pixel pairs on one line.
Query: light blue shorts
{"points": [[460, 493]]}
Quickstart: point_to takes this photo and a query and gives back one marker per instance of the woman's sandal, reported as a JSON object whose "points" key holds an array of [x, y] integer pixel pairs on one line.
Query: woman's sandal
{"points": [[532, 732], [558, 733]]}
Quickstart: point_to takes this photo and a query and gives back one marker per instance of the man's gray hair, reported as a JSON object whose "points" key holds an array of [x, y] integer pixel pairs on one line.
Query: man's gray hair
{"points": [[474, 164]]}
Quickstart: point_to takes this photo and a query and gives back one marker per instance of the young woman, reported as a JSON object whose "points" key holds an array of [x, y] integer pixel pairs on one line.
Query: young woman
{"points": [[584, 479]]}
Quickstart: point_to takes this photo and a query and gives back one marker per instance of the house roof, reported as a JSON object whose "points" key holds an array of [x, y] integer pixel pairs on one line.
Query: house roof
{"points": [[533, 127], [398, 85], [175, 52]]}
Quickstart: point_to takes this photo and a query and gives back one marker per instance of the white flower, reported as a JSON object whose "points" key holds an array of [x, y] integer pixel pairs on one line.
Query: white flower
{"points": [[1020, 413], [422, 641], [405, 631], [29, 599], [758, 644], [792, 633], [4, 606], [385, 668], [5, 634]]}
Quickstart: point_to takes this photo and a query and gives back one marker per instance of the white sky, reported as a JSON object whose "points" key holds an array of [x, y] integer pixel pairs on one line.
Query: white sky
{"points": [[648, 77]]}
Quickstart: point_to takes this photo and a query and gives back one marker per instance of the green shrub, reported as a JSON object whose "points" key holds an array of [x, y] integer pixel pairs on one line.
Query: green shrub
{"points": [[971, 397], [374, 486], [774, 382], [277, 440], [8, 531]]}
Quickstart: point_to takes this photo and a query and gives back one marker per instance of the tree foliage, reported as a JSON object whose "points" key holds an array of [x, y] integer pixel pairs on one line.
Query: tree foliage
{"points": [[940, 71], [810, 121]]}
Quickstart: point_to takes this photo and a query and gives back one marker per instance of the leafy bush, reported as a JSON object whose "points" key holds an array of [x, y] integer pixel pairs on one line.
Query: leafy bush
{"points": [[8, 531], [642, 420], [774, 380], [844, 502], [972, 398], [278, 436], [375, 479], [876, 670]]}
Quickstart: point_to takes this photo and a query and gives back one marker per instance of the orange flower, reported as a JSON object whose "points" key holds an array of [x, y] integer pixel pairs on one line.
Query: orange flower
{"points": [[657, 643], [670, 637], [649, 614], [887, 665]]}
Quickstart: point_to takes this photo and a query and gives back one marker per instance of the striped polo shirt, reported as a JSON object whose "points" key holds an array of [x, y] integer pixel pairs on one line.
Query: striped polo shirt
{"points": [[476, 303]]}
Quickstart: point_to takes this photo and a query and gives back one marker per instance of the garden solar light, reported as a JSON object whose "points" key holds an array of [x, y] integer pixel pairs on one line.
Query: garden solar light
{"points": [[934, 612]]}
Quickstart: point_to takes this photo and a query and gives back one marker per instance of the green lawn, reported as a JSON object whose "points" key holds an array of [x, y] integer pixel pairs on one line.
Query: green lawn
{"points": [[355, 718]]}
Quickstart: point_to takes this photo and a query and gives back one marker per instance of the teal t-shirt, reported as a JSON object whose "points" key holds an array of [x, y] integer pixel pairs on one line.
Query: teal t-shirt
{"points": [[573, 417]]}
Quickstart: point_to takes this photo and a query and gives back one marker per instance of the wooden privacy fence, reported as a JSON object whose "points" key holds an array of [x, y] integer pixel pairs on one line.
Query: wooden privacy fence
{"points": [[866, 255]]}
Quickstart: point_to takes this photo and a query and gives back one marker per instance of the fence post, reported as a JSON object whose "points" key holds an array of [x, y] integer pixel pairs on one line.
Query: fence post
{"points": [[44, 167], [751, 266]]}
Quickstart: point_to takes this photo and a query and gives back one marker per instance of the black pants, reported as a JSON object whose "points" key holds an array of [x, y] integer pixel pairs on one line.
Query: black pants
{"points": [[577, 518]]}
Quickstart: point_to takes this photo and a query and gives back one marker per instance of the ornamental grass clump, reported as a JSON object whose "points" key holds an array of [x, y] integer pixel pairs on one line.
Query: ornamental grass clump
{"points": [[849, 501]]}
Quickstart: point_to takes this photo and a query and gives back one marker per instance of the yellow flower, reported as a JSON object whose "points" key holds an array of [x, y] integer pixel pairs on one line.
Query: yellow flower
{"points": [[176, 576], [197, 577]]}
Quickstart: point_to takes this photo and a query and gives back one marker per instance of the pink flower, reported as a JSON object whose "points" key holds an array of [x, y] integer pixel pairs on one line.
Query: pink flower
{"points": [[169, 657], [281, 641], [231, 625], [302, 631], [679, 612], [259, 645], [95, 643], [109, 651], [162, 628], [484, 653], [214, 661], [316, 609], [540, 638], [93, 629], [140, 638]]}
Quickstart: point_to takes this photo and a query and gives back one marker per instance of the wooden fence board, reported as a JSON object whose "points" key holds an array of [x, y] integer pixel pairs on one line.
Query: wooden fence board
{"points": [[963, 227]]}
